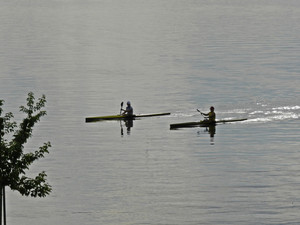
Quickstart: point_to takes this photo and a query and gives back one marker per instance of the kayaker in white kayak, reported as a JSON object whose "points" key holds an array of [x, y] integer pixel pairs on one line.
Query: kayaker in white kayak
{"points": [[211, 115], [129, 110]]}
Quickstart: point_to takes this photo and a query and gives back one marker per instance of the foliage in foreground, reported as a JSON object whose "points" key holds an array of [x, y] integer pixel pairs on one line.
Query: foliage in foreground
{"points": [[14, 163]]}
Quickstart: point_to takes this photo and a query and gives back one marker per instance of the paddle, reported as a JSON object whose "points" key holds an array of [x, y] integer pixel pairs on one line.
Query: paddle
{"points": [[121, 107], [120, 120], [202, 114], [199, 111]]}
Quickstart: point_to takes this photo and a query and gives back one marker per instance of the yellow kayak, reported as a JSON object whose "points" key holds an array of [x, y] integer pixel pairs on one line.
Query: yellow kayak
{"points": [[122, 117]]}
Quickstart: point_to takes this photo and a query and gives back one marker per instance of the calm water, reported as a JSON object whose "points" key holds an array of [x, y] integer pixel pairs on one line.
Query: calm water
{"points": [[165, 56]]}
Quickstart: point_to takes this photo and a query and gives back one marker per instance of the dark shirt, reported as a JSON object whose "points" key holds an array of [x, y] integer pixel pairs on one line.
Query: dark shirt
{"points": [[129, 111]]}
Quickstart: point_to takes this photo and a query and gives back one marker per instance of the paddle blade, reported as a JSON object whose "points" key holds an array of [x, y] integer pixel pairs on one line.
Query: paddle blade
{"points": [[121, 107]]}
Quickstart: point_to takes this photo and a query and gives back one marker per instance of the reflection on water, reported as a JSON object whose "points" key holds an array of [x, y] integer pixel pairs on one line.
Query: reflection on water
{"points": [[128, 124], [211, 130]]}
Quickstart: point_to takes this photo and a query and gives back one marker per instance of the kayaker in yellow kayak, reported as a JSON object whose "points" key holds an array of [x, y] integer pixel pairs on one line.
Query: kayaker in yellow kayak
{"points": [[211, 115], [129, 110]]}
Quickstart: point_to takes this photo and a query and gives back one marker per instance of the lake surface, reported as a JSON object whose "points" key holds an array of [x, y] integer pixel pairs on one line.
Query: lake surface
{"points": [[173, 56]]}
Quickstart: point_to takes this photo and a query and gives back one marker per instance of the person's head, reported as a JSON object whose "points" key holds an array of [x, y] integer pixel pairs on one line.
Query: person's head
{"points": [[212, 108], [128, 103]]}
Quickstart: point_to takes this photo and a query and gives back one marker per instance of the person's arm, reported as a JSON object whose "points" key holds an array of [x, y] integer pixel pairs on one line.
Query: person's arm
{"points": [[125, 111]]}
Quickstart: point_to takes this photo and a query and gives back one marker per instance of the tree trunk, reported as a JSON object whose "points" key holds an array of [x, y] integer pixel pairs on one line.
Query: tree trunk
{"points": [[2, 203]]}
